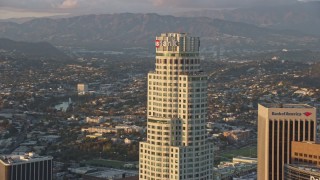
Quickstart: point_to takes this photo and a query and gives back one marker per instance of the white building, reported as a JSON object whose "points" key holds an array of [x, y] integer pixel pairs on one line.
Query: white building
{"points": [[95, 119], [129, 128], [176, 146], [82, 89], [99, 130], [128, 141]]}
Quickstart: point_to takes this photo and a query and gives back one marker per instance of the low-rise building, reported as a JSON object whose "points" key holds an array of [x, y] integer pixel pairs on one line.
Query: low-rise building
{"points": [[110, 174], [129, 128], [301, 172], [99, 130], [240, 166], [237, 135], [95, 119], [307, 153]]}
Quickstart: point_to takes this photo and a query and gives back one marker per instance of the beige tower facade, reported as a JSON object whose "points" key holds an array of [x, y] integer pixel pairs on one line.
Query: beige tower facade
{"points": [[278, 126], [176, 146]]}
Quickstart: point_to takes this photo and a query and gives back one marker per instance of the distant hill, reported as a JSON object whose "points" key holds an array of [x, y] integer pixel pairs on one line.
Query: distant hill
{"points": [[300, 16], [30, 49], [292, 55], [17, 20], [139, 30]]}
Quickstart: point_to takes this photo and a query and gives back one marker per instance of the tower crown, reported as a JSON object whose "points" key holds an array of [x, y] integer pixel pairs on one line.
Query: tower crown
{"points": [[177, 42]]}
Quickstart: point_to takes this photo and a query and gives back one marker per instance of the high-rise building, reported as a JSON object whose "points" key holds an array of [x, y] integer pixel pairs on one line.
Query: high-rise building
{"points": [[82, 89], [25, 167], [176, 146], [278, 126]]}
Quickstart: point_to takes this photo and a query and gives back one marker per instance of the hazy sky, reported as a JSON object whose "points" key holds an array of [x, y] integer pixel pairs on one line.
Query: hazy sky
{"points": [[38, 8]]}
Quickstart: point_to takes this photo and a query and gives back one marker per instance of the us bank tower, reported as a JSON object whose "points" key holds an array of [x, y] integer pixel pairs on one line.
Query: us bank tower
{"points": [[176, 145]]}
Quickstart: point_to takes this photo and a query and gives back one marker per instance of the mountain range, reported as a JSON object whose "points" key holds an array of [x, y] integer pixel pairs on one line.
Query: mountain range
{"points": [[127, 30], [300, 16]]}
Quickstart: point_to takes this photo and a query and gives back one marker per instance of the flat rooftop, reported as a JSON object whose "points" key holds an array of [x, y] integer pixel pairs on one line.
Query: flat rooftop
{"points": [[279, 105], [302, 167], [13, 159], [113, 173], [245, 158]]}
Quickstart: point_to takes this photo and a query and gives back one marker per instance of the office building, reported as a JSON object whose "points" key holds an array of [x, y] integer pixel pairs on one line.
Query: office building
{"points": [[306, 153], [25, 167], [278, 126], [239, 168], [176, 145], [82, 89]]}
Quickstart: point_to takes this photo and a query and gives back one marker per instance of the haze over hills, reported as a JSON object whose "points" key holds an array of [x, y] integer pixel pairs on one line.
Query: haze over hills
{"points": [[138, 30], [301, 16], [28, 49]]}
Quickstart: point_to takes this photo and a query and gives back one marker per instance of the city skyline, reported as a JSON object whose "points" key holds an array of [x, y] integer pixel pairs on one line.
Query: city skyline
{"points": [[130, 95]]}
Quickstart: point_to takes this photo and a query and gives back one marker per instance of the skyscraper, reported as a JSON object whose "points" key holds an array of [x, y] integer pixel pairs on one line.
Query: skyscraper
{"points": [[176, 146], [278, 126]]}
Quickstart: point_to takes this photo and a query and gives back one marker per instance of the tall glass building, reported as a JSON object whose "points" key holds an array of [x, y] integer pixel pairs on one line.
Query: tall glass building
{"points": [[176, 145]]}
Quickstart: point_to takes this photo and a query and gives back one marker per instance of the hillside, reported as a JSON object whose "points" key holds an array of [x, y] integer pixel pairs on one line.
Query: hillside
{"points": [[138, 30], [28, 49]]}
